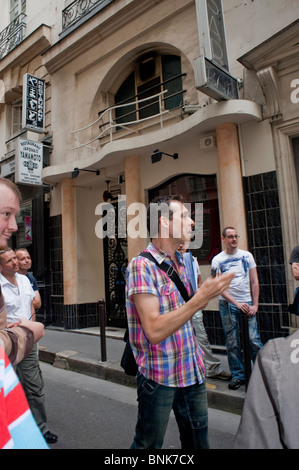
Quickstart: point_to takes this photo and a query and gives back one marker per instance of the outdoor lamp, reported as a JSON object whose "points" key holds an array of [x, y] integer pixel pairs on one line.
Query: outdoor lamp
{"points": [[157, 155], [76, 172]]}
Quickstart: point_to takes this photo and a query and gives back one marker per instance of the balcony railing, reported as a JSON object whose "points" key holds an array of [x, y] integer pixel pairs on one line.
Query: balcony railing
{"points": [[81, 9], [111, 125], [12, 35]]}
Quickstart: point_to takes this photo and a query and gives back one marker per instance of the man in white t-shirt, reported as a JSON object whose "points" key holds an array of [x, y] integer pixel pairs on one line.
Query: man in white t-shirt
{"points": [[212, 363], [240, 299], [16, 289], [18, 296]]}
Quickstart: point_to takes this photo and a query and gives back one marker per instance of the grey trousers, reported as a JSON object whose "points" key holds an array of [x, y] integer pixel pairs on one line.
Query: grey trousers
{"points": [[31, 378], [212, 363]]}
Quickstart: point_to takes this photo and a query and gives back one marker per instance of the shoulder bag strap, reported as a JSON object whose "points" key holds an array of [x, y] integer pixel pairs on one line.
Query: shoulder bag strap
{"points": [[171, 272]]}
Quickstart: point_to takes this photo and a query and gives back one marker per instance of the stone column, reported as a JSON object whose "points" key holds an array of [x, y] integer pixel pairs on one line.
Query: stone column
{"points": [[230, 185], [69, 248], [133, 195]]}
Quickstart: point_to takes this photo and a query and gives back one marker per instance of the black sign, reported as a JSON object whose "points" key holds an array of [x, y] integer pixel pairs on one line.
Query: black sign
{"points": [[33, 103], [214, 81], [220, 83]]}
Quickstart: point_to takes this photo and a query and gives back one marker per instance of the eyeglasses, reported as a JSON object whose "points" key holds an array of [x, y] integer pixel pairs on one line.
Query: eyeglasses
{"points": [[231, 237]]}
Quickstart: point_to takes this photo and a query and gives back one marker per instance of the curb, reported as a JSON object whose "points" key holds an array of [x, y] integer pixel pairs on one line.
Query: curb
{"points": [[219, 396]]}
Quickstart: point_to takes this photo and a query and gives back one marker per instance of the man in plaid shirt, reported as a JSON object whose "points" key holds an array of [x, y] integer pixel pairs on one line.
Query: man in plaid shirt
{"points": [[171, 371]]}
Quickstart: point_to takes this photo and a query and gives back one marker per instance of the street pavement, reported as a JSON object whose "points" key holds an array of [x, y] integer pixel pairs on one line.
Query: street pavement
{"points": [[87, 352]]}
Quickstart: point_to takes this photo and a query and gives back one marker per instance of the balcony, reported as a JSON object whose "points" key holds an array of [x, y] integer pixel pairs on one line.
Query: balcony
{"points": [[80, 11], [134, 117], [12, 35]]}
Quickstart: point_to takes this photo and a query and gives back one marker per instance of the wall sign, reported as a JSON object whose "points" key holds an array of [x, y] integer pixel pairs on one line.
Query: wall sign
{"points": [[33, 117], [29, 162], [211, 68], [7, 168]]}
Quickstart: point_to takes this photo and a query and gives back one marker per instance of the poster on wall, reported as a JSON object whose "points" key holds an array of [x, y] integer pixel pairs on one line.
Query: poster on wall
{"points": [[29, 162], [28, 229], [33, 103]]}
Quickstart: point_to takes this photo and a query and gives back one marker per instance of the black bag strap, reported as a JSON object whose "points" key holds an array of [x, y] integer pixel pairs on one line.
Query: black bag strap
{"points": [[171, 272]]}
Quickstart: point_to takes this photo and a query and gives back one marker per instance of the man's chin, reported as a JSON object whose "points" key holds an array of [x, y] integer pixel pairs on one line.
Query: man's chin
{"points": [[3, 244]]}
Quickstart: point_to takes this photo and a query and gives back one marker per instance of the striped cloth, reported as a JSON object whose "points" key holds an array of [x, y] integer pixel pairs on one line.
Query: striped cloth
{"points": [[18, 430], [189, 264], [177, 361]]}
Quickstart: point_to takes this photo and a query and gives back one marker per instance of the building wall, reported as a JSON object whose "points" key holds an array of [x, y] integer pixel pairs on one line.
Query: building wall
{"points": [[88, 81], [83, 69]]}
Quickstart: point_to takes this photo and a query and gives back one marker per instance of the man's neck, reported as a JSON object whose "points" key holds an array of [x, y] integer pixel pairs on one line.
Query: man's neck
{"points": [[12, 278], [168, 246], [231, 251]]}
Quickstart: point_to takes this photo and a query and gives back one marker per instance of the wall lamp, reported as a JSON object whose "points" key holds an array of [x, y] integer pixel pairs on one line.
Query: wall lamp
{"points": [[157, 155], [76, 172]]}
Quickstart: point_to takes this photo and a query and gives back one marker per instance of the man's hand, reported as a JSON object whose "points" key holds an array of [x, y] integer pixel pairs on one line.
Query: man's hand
{"points": [[252, 310], [244, 307], [158, 327], [212, 287]]}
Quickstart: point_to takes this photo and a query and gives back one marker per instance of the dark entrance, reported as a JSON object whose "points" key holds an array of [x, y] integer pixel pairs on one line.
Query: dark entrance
{"points": [[115, 263]]}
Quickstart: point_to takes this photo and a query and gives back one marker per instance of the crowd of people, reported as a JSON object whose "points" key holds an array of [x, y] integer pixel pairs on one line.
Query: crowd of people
{"points": [[167, 336], [23, 423], [172, 350]]}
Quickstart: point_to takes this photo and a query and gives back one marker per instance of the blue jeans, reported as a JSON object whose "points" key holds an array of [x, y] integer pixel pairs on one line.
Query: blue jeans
{"points": [[155, 403], [231, 316]]}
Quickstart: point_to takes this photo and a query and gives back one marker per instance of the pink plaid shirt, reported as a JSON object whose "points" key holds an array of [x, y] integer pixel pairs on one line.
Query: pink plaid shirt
{"points": [[177, 361]]}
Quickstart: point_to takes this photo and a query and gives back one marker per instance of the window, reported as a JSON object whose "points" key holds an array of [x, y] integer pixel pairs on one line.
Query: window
{"points": [[24, 221], [152, 75], [16, 8], [16, 118]]}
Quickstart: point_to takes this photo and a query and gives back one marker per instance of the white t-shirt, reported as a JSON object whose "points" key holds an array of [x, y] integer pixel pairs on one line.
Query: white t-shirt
{"points": [[240, 263], [17, 299]]}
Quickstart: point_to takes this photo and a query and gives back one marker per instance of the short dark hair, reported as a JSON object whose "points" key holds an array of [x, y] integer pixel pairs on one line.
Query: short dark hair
{"points": [[155, 211], [225, 230]]}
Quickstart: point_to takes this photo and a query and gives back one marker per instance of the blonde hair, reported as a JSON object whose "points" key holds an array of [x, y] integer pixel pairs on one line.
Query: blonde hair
{"points": [[14, 188]]}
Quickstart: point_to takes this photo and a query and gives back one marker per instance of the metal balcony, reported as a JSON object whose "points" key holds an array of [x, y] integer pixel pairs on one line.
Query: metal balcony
{"points": [[12, 35], [110, 125], [81, 10]]}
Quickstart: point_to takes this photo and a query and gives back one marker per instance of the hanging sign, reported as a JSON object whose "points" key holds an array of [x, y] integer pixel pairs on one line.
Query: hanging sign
{"points": [[215, 81], [29, 162], [33, 117], [211, 68]]}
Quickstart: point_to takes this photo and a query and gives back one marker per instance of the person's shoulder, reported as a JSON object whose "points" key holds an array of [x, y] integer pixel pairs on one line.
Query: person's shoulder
{"points": [[281, 349], [245, 253], [220, 255], [30, 276], [2, 279], [139, 261], [22, 278]]}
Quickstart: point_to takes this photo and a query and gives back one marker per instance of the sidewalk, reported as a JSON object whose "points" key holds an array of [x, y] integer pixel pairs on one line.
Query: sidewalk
{"points": [[80, 351]]}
